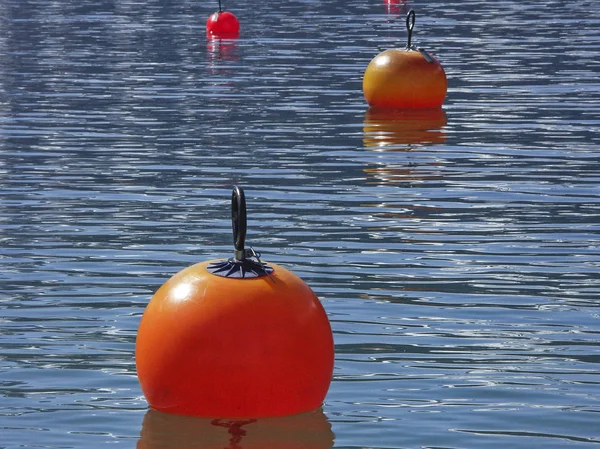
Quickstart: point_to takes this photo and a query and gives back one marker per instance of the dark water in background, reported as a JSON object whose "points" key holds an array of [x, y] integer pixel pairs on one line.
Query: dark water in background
{"points": [[457, 255]]}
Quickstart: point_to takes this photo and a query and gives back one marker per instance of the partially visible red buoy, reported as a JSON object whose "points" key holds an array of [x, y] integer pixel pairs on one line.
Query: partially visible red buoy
{"points": [[235, 338], [222, 24], [405, 78]]}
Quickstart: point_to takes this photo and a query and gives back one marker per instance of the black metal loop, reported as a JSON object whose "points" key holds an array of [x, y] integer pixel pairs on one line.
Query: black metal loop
{"points": [[410, 24], [245, 263], [238, 217]]}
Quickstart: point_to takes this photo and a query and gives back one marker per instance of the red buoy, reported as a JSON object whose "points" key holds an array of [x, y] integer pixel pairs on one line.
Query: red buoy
{"points": [[222, 24], [405, 78], [235, 338]]}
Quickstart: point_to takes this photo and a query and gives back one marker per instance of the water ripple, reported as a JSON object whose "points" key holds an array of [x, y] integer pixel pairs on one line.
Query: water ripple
{"points": [[456, 251]]}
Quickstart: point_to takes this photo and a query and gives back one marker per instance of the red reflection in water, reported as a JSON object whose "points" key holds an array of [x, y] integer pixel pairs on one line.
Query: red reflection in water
{"points": [[396, 7], [221, 49]]}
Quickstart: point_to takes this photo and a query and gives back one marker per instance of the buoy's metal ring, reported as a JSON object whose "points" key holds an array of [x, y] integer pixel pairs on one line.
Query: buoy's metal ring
{"points": [[245, 263], [410, 24], [238, 221]]}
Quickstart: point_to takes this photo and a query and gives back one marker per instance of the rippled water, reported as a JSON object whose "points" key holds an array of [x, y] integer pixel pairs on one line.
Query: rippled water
{"points": [[456, 252]]}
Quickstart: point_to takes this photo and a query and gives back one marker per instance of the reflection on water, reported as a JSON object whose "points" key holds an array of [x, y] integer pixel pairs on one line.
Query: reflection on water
{"points": [[221, 49], [305, 431], [387, 129], [396, 7], [400, 131]]}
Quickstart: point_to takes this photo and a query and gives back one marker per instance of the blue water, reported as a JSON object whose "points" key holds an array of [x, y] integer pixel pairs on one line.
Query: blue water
{"points": [[457, 255]]}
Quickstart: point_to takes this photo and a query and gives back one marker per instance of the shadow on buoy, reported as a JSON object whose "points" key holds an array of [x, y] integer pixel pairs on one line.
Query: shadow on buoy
{"points": [[384, 128], [236, 338], [408, 78], [309, 430], [222, 24]]}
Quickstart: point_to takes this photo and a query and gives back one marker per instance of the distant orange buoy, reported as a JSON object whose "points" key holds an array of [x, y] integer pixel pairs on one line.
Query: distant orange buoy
{"points": [[235, 338], [405, 78], [222, 24]]}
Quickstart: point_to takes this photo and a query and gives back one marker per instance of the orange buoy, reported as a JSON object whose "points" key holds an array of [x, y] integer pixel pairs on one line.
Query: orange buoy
{"points": [[235, 338], [222, 24], [405, 78]]}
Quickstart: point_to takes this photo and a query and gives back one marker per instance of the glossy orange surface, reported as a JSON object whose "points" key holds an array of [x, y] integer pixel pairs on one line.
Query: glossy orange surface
{"points": [[221, 347], [398, 78]]}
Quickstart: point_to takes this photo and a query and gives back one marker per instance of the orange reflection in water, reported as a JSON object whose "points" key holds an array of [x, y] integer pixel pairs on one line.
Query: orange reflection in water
{"points": [[304, 431], [385, 127], [400, 130]]}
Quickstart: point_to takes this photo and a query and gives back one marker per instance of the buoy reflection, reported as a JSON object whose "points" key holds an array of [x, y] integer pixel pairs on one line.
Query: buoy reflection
{"points": [[222, 49], [304, 431], [396, 127], [396, 7], [401, 130]]}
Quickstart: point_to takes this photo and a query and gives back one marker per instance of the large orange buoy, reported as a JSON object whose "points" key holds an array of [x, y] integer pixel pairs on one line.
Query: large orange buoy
{"points": [[235, 338], [405, 78], [222, 24]]}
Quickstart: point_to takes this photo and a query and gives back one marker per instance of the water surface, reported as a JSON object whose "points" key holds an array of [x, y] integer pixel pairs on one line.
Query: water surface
{"points": [[456, 252]]}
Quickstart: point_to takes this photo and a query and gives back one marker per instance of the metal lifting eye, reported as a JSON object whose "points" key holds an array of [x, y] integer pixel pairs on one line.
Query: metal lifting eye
{"points": [[238, 222], [410, 24], [245, 263]]}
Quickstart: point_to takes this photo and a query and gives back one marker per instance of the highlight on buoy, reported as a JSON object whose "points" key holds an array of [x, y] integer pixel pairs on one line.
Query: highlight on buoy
{"points": [[405, 78], [222, 24], [236, 338]]}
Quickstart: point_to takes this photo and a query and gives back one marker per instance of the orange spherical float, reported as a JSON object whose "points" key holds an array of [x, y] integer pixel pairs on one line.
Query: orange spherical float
{"points": [[222, 24], [235, 338], [405, 78]]}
